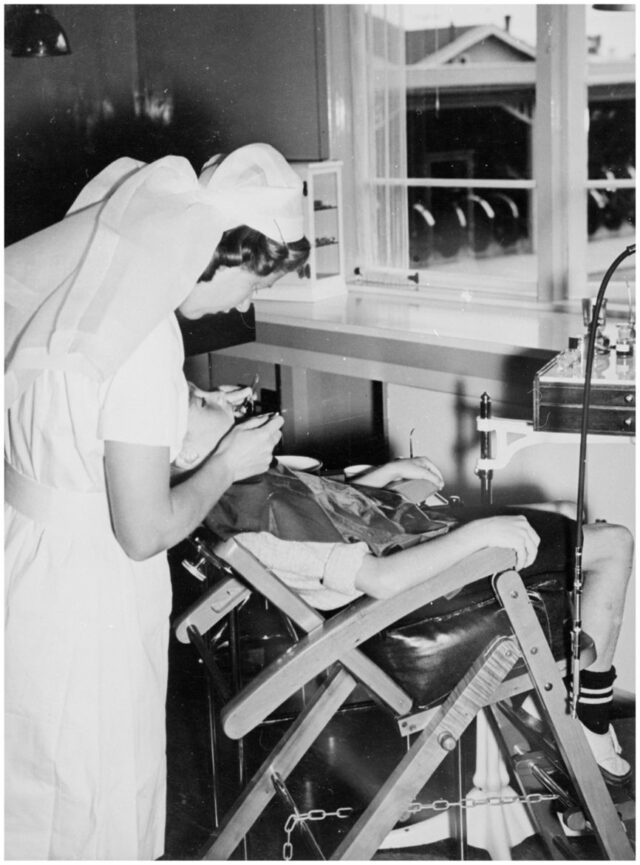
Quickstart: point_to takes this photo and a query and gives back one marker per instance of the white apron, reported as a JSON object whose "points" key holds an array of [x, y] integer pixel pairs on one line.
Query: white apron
{"points": [[86, 627]]}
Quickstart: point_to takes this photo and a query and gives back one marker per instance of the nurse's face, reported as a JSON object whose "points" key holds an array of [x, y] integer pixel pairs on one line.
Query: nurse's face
{"points": [[231, 287]]}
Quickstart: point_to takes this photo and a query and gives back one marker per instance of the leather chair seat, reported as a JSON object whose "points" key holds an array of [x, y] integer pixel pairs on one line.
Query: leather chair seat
{"points": [[428, 652]]}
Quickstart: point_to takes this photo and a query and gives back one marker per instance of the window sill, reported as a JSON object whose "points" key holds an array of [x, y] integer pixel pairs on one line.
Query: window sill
{"points": [[617, 304]]}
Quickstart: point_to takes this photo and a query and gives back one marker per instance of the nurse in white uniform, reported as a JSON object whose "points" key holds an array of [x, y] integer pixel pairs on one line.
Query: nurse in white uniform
{"points": [[95, 409]]}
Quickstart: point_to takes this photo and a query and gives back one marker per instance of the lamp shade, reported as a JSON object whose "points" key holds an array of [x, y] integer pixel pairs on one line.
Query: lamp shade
{"points": [[40, 35]]}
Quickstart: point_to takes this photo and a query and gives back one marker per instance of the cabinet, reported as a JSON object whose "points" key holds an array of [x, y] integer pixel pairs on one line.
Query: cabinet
{"points": [[237, 73], [558, 397], [323, 275]]}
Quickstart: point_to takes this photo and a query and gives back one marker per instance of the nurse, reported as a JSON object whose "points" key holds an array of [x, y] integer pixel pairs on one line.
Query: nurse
{"points": [[95, 410]]}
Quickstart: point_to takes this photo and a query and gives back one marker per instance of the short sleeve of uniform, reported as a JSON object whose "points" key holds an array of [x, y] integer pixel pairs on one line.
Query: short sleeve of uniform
{"points": [[146, 401]]}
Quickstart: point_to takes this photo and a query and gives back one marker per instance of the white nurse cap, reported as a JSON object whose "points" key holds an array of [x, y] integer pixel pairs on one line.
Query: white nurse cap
{"points": [[257, 186], [82, 294]]}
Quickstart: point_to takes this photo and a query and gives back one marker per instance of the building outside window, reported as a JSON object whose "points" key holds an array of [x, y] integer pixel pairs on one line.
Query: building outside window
{"points": [[495, 146]]}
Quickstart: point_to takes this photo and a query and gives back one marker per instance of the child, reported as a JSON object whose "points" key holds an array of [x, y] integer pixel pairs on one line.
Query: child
{"points": [[331, 543]]}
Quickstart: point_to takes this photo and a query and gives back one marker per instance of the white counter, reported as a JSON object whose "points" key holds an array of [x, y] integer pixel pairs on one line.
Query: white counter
{"points": [[481, 325], [409, 339]]}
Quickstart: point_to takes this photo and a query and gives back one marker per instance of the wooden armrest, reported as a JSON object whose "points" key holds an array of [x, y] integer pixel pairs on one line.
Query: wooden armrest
{"points": [[269, 585], [337, 639], [215, 604], [309, 620]]}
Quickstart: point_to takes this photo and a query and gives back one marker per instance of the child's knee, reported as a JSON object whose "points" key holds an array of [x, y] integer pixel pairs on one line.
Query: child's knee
{"points": [[618, 538], [566, 508], [608, 544]]}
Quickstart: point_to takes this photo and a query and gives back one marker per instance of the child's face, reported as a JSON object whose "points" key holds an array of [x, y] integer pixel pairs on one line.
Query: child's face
{"points": [[210, 418]]}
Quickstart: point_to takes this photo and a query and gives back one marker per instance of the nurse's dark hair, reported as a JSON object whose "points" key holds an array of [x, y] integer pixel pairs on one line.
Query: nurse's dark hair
{"points": [[258, 253]]}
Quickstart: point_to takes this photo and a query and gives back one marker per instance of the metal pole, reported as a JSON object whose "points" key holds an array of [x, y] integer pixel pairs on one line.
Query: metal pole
{"points": [[577, 564], [486, 475]]}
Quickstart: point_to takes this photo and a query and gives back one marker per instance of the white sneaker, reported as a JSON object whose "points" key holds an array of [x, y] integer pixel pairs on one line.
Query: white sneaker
{"points": [[606, 749], [604, 746]]}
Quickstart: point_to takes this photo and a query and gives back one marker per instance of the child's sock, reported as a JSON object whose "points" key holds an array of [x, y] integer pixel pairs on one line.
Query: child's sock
{"points": [[595, 699]]}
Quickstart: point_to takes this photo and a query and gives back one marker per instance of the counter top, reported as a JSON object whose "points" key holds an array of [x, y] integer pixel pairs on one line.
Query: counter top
{"points": [[477, 326], [419, 341]]}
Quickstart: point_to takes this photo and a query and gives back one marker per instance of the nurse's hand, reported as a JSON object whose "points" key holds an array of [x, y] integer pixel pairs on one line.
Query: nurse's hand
{"points": [[150, 514], [248, 447]]}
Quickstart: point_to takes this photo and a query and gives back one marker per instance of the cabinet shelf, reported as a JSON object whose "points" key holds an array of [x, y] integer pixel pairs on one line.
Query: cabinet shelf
{"points": [[324, 274]]}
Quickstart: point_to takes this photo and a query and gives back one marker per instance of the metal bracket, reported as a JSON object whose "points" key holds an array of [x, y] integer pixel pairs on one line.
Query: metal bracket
{"points": [[511, 436]]}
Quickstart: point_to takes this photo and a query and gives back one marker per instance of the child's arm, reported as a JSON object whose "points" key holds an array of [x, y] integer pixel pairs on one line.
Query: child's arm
{"points": [[390, 575], [414, 468]]}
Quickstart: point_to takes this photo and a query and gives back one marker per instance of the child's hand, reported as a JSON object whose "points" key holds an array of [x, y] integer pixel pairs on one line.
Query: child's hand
{"points": [[413, 468], [417, 468], [513, 532]]}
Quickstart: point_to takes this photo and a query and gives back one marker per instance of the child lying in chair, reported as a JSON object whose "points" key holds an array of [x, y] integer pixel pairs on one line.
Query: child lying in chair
{"points": [[333, 542]]}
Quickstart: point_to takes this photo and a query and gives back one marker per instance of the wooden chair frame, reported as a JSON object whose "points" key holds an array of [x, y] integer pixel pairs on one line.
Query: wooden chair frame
{"points": [[332, 645]]}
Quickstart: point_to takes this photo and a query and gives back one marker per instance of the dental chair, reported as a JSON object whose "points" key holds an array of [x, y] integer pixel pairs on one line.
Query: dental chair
{"points": [[550, 763]]}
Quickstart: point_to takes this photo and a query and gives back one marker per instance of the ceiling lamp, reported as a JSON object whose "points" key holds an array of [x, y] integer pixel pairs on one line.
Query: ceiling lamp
{"points": [[39, 35]]}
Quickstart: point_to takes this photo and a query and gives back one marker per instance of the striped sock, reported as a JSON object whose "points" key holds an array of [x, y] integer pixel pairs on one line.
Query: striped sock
{"points": [[596, 697]]}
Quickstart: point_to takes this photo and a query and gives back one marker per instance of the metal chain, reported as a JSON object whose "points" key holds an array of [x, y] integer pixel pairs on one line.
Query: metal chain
{"points": [[317, 814], [444, 804], [296, 818]]}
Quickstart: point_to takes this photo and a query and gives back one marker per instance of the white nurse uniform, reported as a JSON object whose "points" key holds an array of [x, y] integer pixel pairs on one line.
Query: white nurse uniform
{"points": [[93, 353], [87, 628]]}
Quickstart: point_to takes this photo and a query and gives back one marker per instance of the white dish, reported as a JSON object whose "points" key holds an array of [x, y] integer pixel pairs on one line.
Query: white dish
{"points": [[300, 464]]}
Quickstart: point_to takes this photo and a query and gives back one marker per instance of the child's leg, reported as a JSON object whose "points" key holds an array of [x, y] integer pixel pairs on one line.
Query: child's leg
{"points": [[607, 559]]}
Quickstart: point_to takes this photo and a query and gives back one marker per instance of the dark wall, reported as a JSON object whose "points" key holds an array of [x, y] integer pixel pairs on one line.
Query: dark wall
{"points": [[145, 81], [63, 113], [237, 74]]}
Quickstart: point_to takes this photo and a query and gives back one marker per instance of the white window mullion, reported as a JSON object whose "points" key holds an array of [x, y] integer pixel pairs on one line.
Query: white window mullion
{"points": [[560, 151], [393, 224], [362, 158], [386, 239]]}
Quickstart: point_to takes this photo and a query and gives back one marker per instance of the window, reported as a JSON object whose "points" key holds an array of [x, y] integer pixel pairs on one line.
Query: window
{"points": [[494, 145], [611, 140]]}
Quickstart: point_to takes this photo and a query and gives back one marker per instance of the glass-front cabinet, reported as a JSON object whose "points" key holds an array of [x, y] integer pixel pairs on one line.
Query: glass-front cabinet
{"points": [[323, 275]]}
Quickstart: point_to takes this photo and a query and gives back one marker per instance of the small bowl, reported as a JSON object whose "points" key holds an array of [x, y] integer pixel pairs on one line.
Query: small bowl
{"points": [[353, 472], [301, 464]]}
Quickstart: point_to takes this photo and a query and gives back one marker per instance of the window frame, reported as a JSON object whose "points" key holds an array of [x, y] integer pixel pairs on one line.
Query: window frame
{"points": [[559, 182]]}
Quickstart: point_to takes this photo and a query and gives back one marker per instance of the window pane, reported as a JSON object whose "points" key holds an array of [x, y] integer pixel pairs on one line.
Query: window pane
{"points": [[460, 173], [463, 138], [481, 231], [612, 123], [470, 87], [611, 33]]}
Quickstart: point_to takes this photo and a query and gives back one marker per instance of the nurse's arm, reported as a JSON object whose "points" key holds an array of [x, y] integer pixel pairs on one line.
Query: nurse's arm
{"points": [[149, 515]]}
